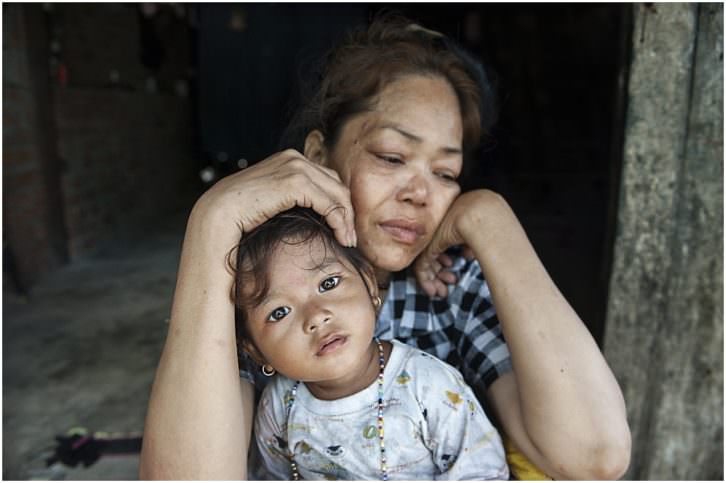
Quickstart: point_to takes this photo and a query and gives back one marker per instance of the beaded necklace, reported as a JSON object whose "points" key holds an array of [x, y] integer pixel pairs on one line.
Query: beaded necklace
{"points": [[379, 404]]}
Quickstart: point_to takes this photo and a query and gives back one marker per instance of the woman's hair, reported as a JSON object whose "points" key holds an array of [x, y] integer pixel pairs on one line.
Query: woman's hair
{"points": [[367, 60], [297, 226]]}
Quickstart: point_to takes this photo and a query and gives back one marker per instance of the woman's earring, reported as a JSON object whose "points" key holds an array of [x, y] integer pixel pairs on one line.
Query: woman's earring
{"points": [[377, 302], [268, 370]]}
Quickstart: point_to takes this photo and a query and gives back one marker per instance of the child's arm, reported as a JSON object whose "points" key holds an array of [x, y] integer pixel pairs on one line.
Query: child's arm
{"points": [[463, 442]]}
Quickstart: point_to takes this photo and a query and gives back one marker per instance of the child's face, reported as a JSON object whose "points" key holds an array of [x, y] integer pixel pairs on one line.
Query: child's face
{"points": [[316, 324]]}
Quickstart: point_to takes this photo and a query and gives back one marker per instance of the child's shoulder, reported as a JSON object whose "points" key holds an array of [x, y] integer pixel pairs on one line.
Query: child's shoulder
{"points": [[279, 383], [278, 389], [426, 365]]}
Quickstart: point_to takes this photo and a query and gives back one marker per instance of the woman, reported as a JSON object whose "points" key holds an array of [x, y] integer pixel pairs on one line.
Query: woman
{"points": [[386, 133]]}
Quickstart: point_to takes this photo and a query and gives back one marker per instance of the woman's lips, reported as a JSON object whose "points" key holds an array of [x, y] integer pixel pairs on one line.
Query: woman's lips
{"points": [[403, 231], [331, 345]]}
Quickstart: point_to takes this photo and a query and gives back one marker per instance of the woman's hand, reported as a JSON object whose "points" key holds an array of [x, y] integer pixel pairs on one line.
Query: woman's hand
{"points": [[431, 266], [278, 183]]}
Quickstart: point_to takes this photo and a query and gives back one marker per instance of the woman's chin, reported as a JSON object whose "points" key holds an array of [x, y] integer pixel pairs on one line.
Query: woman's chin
{"points": [[391, 260]]}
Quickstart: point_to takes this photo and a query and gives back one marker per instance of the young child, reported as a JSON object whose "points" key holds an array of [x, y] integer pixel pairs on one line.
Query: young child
{"points": [[344, 405]]}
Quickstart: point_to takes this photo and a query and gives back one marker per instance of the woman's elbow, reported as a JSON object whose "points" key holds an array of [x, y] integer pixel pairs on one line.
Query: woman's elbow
{"points": [[613, 464], [605, 458], [609, 460]]}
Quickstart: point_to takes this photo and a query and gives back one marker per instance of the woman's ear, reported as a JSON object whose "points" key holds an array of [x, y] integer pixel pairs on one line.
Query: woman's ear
{"points": [[315, 149]]}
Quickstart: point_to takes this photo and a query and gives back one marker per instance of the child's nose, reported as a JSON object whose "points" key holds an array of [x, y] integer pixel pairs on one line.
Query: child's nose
{"points": [[317, 320]]}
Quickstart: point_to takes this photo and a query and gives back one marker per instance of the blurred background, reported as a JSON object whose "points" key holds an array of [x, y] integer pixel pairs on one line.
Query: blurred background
{"points": [[116, 117]]}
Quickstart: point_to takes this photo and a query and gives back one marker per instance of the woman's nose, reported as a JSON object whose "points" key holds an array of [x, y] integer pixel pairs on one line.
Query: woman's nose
{"points": [[415, 190], [316, 319]]}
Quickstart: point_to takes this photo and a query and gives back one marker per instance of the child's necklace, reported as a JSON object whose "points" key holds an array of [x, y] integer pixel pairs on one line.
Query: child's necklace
{"points": [[381, 366]]}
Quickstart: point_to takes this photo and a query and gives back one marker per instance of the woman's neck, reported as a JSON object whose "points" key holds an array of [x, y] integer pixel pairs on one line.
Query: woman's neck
{"points": [[383, 278]]}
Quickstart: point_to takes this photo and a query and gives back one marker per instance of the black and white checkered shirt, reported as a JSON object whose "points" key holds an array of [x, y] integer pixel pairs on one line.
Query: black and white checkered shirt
{"points": [[461, 329]]}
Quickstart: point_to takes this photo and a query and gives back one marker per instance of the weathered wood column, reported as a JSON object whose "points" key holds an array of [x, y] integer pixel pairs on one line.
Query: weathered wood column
{"points": [[664, 327]]}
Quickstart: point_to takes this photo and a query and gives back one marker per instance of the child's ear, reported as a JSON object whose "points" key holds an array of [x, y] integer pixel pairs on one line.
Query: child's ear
{"points": [[371, 282], [252, 351], [315, 149]]}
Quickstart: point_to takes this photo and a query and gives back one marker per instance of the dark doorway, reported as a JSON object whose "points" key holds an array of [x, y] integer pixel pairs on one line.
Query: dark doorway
{"points": [[556, 150]]}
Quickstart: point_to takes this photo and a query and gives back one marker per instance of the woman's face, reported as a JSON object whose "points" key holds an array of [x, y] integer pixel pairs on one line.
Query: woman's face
{"points": [[401, 161]]}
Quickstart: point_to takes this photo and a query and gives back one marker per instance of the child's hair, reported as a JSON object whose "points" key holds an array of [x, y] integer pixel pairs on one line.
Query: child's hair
{"points": [[297, 226]]}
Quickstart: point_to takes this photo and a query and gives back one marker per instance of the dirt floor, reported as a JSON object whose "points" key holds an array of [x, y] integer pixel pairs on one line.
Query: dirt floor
{"points": [[81, 350]]}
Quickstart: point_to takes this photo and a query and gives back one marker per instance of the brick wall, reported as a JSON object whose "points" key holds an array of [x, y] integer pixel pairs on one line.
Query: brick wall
{"points": [[126, 149], [107, 148], [121, 154], [33, 238]]}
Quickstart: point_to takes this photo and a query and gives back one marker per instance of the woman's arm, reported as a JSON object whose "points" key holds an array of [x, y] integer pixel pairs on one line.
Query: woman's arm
{"points": [[200, 414], [562, 405], [197, 398]]}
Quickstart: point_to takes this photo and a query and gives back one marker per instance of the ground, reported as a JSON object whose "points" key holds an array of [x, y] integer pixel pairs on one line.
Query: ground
{"points": [[81, 349]]}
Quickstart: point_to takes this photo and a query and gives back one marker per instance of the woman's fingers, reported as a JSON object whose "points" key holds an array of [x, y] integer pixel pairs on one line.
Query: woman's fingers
{"points": [[283, 181], [441, 289], [445, 260], [429, 272], [425, 274], [447, 277], [432, 272], [313, 187]]}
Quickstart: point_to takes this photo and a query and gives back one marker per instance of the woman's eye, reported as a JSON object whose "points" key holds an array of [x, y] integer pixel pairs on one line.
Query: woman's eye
{"points": [[446, 176], [390, 159], [278, 314], [329, 283]]}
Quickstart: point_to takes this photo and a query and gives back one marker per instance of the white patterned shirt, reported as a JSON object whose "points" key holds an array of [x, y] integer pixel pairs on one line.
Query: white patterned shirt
{"points": [[434, 428]]}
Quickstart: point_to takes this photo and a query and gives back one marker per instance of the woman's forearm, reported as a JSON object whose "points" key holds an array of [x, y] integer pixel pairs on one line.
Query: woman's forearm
{"points": [[199, 418], [571, 406]]}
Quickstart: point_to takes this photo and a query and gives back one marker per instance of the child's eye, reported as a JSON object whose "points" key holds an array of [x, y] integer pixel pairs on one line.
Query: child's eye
{"points": [[277, 314], [329, 283]]}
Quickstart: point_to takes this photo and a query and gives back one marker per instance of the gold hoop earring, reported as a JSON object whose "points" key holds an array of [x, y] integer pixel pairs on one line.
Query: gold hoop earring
{"points": [[377, 302], [268, 370]]}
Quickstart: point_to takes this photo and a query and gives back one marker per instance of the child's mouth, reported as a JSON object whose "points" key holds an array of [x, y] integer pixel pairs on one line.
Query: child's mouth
{"points": [[331, 344]]}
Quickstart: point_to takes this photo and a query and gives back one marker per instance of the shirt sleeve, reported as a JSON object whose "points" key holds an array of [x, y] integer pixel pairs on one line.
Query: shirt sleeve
{"points": [[270, 435], [463, 442], [477, 333]]}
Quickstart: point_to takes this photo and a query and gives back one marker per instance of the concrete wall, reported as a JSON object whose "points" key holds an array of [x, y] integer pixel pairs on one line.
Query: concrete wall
{"points": [[664, 329], [98, 136]]}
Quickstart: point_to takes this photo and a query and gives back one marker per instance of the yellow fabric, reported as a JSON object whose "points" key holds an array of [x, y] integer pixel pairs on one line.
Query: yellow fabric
{"points": [[519, 466]]}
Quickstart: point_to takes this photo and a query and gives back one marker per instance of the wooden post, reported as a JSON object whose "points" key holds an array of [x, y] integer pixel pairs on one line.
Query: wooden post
{"points": [[664, 325]]}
